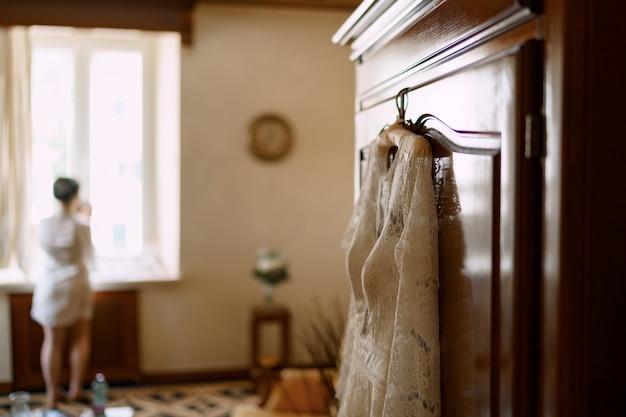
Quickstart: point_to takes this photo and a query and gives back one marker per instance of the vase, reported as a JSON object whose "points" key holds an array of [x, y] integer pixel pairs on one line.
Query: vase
{"points": [[268, 295]]}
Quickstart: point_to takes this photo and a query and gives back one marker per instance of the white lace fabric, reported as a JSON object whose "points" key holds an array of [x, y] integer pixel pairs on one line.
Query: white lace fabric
{"points": [[390, 361]]}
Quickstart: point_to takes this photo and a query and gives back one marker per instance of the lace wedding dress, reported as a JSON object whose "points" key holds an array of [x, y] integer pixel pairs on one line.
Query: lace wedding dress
{"points": [[390, 359]]}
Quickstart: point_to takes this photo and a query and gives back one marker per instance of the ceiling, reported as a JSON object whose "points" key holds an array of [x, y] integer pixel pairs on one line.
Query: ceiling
{"points": [[168, 15], [335, 4]]}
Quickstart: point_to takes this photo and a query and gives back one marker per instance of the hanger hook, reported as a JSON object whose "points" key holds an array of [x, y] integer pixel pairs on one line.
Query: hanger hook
{"points": [[402, 103]]}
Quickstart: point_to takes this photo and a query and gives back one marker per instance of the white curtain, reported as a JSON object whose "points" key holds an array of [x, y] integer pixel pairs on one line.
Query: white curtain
{"points": [[391, 358], [15, 147]]}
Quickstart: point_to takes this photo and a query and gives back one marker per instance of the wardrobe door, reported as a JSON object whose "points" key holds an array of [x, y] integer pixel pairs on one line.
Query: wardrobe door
{"points": [[488, 204]]}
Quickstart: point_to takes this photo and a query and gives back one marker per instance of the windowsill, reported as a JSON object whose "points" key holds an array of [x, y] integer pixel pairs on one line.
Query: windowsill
{"points": [[15, 281]]}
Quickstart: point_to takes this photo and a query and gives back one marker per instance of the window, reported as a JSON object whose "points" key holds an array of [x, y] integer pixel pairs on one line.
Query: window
{"points": [[105, 110]]}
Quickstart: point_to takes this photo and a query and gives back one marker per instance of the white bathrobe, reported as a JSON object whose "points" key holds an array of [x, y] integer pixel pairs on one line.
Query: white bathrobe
{"points": [[64, 295]]}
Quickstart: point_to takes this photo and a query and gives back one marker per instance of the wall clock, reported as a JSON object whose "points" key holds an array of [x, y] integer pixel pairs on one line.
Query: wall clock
{"points": [[269, 137]]}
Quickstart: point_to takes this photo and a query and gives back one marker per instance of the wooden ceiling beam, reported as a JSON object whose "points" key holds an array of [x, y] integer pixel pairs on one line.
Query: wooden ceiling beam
{"points": [[319, 4], [165, 15]]}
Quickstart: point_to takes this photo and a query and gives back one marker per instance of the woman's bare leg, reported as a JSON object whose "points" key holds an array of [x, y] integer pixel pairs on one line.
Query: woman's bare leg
{"points": [[80, 349], [51, 351]]}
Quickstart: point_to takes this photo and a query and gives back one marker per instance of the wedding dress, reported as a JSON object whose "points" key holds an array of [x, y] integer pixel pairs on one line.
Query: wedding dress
{"points": [[390, 359]]}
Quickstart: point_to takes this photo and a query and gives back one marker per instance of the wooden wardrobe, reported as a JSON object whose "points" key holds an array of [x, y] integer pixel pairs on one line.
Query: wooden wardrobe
{"points": [[531, 205]]}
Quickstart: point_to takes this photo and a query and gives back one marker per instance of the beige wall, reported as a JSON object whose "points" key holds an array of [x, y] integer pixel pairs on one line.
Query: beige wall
{"points": [[243, 62]]}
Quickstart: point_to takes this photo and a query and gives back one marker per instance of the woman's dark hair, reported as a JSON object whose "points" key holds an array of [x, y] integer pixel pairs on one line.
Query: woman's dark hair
{"points": [[65, 189]]}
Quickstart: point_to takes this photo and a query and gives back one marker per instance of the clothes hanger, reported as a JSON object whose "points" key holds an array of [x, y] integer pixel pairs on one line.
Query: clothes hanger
{"points": [[453, 140], [443, 139], [399, 133]]}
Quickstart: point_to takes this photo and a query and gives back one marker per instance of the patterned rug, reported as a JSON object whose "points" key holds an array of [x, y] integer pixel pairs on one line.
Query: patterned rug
{"points": [[185, 400]]}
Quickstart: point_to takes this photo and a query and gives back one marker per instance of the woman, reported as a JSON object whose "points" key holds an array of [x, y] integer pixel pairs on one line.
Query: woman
{"points": [[63, 298]]}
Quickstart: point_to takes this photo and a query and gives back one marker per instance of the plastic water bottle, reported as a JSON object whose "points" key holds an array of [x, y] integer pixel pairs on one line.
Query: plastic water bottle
{"points": [[100, 394], [19, 404]]}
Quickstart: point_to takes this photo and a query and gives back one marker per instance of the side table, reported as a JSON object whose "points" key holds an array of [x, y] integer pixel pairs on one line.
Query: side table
{"points": [[260, 316]]}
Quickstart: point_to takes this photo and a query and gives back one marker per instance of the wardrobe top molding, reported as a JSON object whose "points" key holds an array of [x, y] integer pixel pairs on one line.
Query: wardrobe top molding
{"points": [[375, 23]]}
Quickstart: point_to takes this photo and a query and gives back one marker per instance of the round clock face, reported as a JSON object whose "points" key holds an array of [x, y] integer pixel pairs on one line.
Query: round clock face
{"points": [[269, 137]]}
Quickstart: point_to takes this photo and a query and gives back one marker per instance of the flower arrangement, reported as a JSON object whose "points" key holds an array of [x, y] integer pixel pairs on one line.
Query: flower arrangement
{"points": [[270, 267]]}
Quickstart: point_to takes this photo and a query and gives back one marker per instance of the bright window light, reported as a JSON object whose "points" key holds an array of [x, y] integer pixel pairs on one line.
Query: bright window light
{"points": [[95, 96]]}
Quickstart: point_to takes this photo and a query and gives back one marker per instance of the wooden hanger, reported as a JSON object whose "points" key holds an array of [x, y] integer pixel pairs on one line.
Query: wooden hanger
{"points": [[443, 139]]}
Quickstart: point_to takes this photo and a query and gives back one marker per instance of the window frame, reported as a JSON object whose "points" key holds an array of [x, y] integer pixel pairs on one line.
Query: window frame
{"points": [[160, 257]]}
